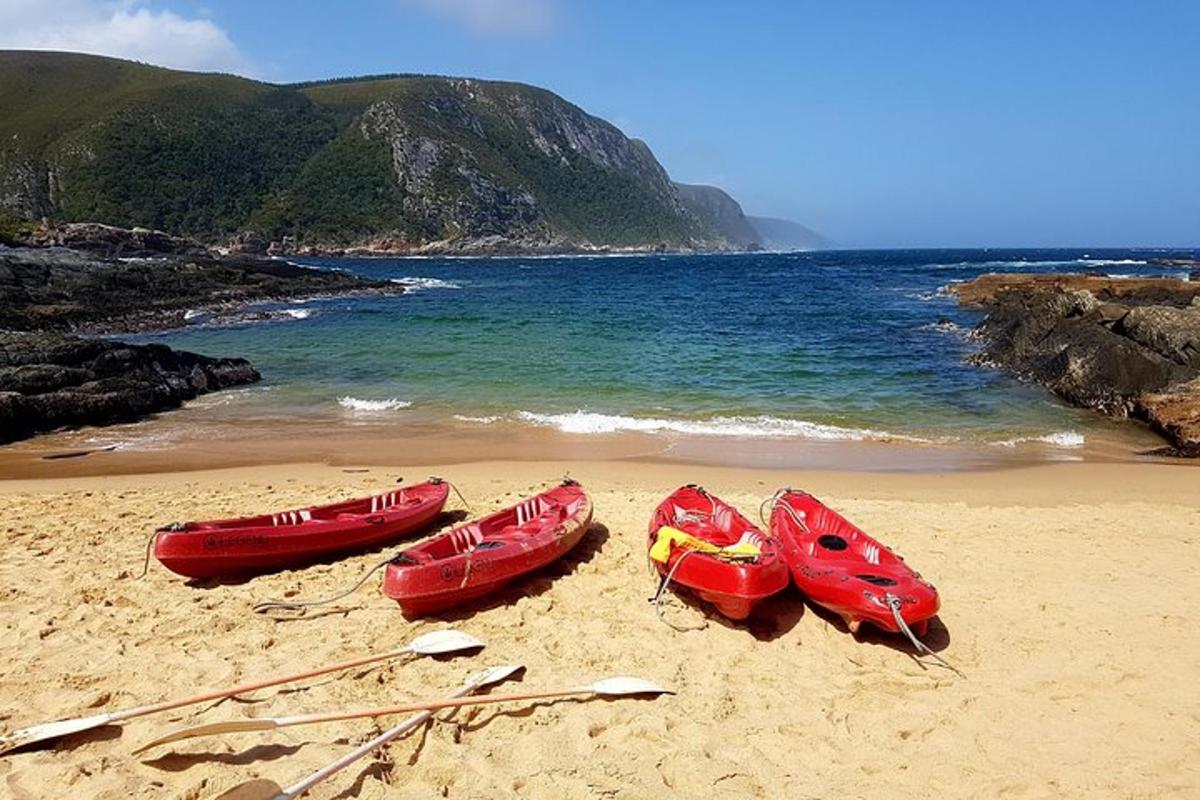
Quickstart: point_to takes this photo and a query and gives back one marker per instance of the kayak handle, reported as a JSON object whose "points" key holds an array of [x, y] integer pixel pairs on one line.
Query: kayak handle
{"points": [[376, 519]]}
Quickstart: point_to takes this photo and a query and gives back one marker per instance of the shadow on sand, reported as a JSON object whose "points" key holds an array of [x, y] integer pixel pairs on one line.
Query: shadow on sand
{"points": [[535, 583]]}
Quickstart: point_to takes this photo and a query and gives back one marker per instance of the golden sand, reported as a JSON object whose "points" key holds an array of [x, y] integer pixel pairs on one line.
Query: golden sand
{"points": [[1066, 592]]}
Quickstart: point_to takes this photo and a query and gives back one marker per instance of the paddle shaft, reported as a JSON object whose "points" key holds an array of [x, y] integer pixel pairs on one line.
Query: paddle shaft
{"points": [[302, 786], [167, 705], [434, 705]]}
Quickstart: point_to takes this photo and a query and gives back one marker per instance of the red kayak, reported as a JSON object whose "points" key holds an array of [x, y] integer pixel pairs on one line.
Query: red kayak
{"points": [[846, 571], [704, 544], [230, 547], [478, 558]]}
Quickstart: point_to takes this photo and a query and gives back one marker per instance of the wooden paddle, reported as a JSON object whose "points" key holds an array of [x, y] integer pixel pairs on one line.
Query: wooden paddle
{"points": [[435, 643], [609, 687], [263, 789]]}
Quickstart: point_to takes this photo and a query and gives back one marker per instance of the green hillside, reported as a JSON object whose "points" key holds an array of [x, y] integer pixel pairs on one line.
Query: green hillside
{"points": [[409, 159]]}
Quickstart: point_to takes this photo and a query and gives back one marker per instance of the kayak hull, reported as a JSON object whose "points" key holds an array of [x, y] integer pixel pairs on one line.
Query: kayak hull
{"points": [[734, 588], [475, 560], [841, 568], [252, 545]]}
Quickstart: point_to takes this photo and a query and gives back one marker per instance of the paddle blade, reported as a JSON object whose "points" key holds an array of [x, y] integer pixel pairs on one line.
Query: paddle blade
{"points": [[261, 789], [211, 729], [437, 642], [621, 686], [495, 675], [51, 730]]}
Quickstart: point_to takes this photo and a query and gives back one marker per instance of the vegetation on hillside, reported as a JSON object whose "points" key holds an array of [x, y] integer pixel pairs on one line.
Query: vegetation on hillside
{"points": [[328, 162]]}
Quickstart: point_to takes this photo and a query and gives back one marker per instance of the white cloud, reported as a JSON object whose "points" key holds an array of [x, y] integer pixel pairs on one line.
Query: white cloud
{"points": [[122, 28], [497, 17]]}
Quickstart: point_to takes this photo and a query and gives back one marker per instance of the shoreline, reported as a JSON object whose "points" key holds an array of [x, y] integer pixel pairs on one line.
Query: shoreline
{"points": [[195, 438]]}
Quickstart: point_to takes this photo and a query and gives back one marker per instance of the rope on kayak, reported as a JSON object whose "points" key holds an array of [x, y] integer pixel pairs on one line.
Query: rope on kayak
{"points": [[174, 526], [773, 501], [894, 604], [662, 588], [283, 605], [146, 563], [463, 500]]}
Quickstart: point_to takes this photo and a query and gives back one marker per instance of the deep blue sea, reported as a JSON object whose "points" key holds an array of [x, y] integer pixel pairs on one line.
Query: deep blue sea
{"points": [[833, 345]]}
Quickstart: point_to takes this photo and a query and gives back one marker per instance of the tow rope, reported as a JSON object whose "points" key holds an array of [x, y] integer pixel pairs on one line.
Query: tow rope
{"points": [[894, 604], [283, 605]]}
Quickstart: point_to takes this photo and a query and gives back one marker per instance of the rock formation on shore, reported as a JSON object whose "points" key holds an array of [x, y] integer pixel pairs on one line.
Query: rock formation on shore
{"points": [[49, 381], [61, 289], [1127, 347]]}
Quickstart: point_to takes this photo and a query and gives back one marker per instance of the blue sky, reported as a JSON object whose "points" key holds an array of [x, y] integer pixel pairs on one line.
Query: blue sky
{"points": [[880, 124]]}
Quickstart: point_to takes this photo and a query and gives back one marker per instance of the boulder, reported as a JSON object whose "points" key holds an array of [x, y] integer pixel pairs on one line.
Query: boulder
{"points": [[1171, 332], [50, 381]]}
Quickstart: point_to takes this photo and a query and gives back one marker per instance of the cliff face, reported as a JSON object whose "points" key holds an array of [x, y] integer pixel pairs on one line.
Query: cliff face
{"points": [[395, 162]]}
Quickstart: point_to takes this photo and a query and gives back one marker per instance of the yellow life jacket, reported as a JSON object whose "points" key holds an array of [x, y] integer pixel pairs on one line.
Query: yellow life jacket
{"points": [[668, 537]]}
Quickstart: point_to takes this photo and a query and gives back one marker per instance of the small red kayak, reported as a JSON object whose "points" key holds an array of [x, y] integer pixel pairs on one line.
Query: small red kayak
{"points": [[707, 546], [476, 559], [846, 571], [230, 547]]}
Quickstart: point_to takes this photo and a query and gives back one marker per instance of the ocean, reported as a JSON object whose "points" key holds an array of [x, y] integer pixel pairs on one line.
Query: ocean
{"points": [[829, 346]]}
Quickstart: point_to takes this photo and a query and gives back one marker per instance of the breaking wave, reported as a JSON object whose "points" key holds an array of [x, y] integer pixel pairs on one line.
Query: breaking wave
{"points": [[356, 404], [1065, 439], [587, 422], [417, 284]]}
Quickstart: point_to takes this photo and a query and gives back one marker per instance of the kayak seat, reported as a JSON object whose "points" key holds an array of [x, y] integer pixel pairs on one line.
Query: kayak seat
{"points": [[832, 542]]}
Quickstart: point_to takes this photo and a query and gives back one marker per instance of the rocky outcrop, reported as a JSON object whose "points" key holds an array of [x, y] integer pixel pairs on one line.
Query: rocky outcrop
{"points": [[50, 381], [722, 213], [1122, 346], [64, 290], [109, 241]]}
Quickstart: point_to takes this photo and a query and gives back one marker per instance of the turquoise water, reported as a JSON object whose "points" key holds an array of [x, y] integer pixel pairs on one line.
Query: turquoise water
{"points": [[828, 346]]}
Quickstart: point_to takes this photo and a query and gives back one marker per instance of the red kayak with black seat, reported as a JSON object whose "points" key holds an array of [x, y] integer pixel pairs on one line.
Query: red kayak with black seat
{"points": [[704, 544], [841, 568], [476, 559], [248, 545]]}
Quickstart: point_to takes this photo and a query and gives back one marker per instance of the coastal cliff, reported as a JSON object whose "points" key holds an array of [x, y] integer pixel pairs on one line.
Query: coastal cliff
{"points": [[1127, 347], [395, 164]]}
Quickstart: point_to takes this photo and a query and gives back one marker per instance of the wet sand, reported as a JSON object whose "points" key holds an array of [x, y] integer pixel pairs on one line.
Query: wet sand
{"points": [[1065, 594]]}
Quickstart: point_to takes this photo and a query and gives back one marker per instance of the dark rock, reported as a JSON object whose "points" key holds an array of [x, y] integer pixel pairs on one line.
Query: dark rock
{"points": [[109, 241], [1107, 313], [50, 381], [1139, 357], [1171, 332], [63, 290], [248, 243]]}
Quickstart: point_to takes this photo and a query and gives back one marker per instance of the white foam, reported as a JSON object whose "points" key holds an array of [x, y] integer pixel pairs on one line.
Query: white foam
{"points": [[298, 313], [356, 404], [485, 420], [191, 314], [587, 422], [416, 284], [1064, 439]]}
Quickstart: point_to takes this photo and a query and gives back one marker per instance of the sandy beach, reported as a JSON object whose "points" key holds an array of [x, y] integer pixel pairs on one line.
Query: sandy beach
{"points": [[1065, 589]]}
